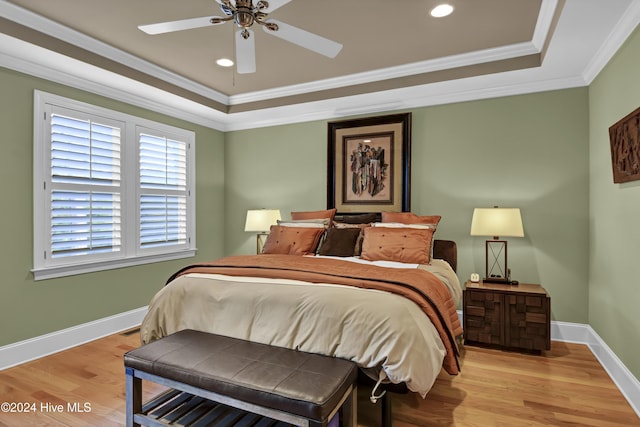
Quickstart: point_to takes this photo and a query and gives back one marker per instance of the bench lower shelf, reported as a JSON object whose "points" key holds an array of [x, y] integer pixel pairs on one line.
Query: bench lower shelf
{"points": [[174, 407]]}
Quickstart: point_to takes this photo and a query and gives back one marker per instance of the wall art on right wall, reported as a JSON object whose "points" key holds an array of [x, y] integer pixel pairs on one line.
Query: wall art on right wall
{"points": [[625, 148]]}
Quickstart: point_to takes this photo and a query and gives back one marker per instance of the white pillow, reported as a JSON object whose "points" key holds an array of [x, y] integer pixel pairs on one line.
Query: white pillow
{"points": [[308, 223], [402, 225]]}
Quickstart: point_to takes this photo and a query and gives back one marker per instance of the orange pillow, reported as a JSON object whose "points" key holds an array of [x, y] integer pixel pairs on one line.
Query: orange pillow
{"points": [[409, 245], [410, 218], [329, 213], [292, 240]]}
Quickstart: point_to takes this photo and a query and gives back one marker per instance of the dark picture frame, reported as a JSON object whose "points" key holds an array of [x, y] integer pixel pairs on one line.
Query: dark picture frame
{"points": [[624, 138], [368, 164]]}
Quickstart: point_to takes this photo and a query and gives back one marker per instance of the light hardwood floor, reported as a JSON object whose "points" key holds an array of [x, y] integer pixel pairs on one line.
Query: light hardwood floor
{"points": [[565, 386]]}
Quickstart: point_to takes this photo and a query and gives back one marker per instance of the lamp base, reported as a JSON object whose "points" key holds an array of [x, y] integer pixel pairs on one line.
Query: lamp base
{"points": [[501, 280], [260, 243]]}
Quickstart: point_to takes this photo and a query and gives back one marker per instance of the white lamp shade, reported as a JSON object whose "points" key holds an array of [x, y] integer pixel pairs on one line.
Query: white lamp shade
{"points": [[497, 222], [261, 220]]}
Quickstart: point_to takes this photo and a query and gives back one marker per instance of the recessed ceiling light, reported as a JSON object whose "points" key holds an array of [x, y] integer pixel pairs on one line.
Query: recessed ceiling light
{"points": [[224, 62], [441, 10]]}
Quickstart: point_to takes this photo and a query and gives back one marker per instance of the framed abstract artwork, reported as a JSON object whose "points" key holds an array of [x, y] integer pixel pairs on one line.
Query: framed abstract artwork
{"points": [[368, 164], [624, 138]]}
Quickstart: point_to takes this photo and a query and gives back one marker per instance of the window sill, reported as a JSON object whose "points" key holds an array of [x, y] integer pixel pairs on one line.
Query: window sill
{"points": [[70, 270]]}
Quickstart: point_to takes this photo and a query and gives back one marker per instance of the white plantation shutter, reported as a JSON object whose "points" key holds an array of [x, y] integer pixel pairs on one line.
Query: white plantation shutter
{"points": [[85, 181], [163, 198], [163, 163], [84, 223], [110, 189], [163, 220], [83, 151]]}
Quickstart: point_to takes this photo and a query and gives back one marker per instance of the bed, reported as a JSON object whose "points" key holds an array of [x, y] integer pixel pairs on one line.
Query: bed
{"points": [[385, 304]]}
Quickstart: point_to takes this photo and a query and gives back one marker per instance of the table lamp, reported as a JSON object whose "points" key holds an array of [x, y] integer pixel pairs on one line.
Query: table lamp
{"points": [[260, 221], [495, 222]]}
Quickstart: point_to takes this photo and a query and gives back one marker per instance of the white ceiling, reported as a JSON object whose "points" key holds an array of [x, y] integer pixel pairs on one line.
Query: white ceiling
{"points": [[395, 56]]}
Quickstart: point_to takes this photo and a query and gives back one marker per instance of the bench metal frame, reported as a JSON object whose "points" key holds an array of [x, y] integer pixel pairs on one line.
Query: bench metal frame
{"points": [[136, 416]]}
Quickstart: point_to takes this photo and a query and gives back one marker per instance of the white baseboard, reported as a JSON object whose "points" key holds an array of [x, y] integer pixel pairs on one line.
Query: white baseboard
{"points": [[34, 348], [578, 333]]}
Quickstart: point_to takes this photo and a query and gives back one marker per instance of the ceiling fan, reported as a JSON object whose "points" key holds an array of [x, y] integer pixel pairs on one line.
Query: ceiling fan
{"points": [[244, 13]]}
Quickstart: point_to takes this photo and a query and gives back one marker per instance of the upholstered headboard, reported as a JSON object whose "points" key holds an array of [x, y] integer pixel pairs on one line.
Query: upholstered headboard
{"points": [[446, 250]]}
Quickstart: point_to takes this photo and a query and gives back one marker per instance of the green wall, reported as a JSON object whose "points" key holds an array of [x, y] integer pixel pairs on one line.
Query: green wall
{"points": [[29, 308], [527, 151], [281, 167], [614, 273], [547, 153]]}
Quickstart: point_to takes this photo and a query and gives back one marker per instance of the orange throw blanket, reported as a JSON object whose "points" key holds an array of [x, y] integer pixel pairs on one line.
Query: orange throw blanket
{"points": [[420, 286]]}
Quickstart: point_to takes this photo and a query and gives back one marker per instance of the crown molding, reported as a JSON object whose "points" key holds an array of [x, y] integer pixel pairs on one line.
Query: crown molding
{"points": [[422, 67], [470, 89], [38, 62], [543, 24], [628, 22], [76, 38]]}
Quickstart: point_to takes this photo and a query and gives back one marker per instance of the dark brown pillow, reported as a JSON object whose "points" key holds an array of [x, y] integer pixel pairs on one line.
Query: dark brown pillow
{"points": [[360, 227], [340, 242], [365, 218]]}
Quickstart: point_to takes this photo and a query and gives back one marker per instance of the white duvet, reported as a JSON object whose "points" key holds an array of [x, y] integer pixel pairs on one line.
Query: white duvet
{"points": [[375, 329]]}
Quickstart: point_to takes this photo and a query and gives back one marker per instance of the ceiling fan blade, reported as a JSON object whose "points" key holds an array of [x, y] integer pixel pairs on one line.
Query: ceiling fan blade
{"points": [[224, 7], [303, 38], [275, 4], [245, 53], [183, 24]]}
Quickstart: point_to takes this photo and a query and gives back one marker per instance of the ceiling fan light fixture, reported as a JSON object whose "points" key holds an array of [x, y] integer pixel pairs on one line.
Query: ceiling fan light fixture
{"points": [[244, 19], [441, 10]]}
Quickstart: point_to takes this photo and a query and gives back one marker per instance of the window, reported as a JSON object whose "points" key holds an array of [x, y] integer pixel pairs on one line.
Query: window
{"points": [[110, 189], [85, 191], [163, 184]]}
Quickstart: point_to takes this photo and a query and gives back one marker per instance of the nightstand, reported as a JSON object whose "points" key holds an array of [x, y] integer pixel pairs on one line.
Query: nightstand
{"points": [[508, 316]]}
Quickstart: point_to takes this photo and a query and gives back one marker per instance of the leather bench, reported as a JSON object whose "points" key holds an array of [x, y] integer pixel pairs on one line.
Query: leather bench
{"points": [[237, 378]]}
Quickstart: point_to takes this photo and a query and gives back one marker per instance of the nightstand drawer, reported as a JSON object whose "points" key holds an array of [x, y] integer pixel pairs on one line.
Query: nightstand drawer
{"points": [[483, 317], [473, 311]]}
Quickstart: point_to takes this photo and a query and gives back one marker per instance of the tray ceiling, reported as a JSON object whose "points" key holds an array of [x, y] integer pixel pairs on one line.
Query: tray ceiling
{"points": [[388, 45]]}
